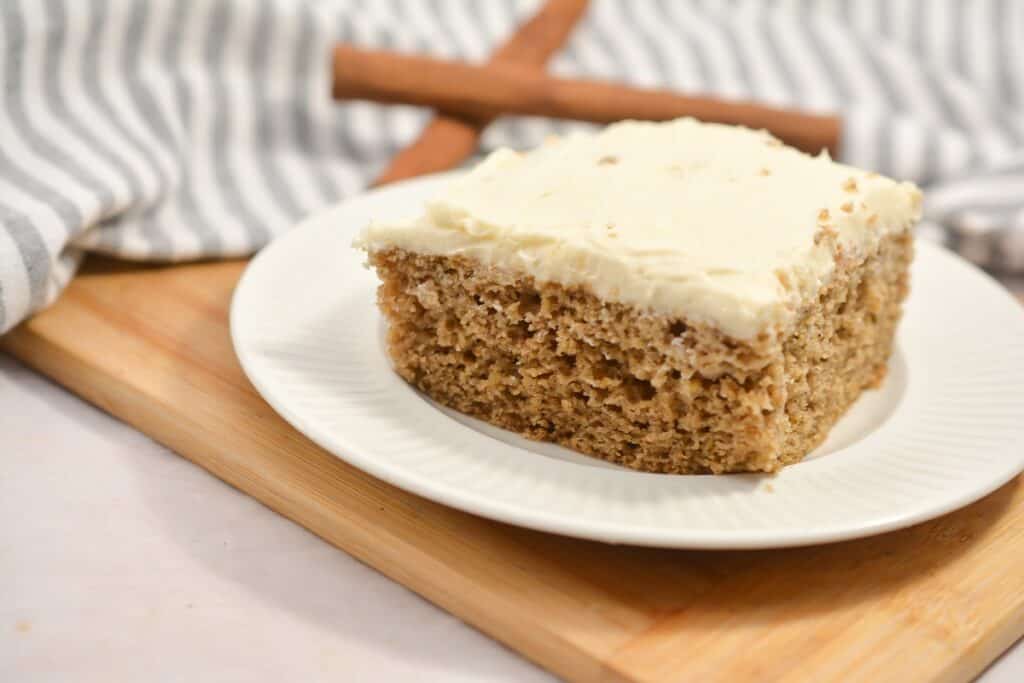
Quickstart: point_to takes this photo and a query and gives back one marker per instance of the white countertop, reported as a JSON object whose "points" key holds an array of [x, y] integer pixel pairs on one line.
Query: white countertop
{"points": [[122, 561]]}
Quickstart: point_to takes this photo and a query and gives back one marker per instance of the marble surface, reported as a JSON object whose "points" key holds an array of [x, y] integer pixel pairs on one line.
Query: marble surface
{"points": [[122, 561]]}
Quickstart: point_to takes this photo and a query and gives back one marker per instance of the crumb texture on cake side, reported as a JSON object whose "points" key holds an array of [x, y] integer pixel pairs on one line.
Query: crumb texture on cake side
{"points": [[646, 391]]}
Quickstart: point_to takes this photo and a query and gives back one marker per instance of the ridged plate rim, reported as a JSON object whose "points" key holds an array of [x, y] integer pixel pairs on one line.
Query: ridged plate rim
{"points": [[305, 328]]}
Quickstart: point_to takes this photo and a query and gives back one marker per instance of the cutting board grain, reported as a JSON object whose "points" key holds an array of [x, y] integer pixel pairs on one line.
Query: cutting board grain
{"points": [[936, 602]]}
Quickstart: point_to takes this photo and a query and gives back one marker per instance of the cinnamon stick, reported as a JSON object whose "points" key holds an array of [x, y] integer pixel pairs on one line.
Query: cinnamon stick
{"points": [[448, 140], [480, 92]]}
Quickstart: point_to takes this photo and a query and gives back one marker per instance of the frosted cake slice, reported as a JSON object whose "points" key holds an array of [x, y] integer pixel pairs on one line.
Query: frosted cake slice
{"points": [[672, 297]]}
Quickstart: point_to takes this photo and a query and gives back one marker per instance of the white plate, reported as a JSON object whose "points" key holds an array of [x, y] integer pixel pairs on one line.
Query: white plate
{"points": [[946, 429]]}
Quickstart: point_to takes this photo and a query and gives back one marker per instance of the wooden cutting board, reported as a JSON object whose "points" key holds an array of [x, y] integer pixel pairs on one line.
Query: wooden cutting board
{"points": [[934, 602]]}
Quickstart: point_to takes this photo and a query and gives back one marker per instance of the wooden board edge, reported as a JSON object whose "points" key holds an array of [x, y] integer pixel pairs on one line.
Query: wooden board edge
{"points": [[78, 376]]}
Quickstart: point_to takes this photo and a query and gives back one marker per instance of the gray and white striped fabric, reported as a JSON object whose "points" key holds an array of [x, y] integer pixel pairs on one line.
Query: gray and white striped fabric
{"points": [[172, 130]]}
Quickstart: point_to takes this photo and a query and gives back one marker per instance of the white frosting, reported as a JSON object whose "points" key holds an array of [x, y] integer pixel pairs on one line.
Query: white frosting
{"points": [[714, 223]]}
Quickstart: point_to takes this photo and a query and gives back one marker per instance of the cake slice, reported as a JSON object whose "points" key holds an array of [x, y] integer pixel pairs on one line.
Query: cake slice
{"points": [[672, 297]]}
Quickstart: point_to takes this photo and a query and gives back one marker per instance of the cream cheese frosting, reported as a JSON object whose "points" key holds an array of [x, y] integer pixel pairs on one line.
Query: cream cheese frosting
{"points": [[713, 223]]}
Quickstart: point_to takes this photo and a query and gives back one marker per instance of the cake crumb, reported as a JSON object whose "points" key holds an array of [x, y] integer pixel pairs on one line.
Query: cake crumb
{"points": [[590, 388], [847, 207], [825, 232], [608, 160], [850, 185]]}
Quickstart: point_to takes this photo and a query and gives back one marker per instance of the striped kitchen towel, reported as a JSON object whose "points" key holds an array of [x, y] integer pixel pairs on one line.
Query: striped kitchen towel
{"points": [[171, 130]]}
